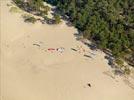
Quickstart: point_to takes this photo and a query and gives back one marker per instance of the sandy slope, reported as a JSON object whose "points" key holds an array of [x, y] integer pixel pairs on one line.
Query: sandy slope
{"points": [[29, 72]]}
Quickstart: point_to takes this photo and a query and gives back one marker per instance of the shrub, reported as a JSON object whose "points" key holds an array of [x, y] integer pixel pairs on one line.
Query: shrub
{"points": [[45, 10], [57, 19], [17, 1], [15, 10], [29, 19], [127, 71], [119, 62]]}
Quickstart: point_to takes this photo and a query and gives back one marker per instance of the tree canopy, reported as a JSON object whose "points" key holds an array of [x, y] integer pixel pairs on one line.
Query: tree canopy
{"points": [[108, 23]]}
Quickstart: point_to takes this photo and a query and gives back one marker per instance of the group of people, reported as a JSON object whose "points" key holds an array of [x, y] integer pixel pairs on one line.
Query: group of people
{"points": [[78, 49], [60, 49]]}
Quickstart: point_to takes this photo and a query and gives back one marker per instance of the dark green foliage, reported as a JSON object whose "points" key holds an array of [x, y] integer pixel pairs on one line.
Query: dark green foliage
{"points": [[17, 1], [108, 23], [119, 62], [127, 71], [36, 4], [33, 6], [57, 19], [30, 19]]}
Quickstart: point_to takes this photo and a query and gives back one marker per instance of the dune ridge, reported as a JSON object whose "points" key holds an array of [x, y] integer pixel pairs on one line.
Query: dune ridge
{"points": [[29, 72]]}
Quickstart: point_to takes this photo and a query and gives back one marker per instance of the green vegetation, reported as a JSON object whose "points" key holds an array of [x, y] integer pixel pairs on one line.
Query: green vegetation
{"points": [[57, 19], [18, 1], [127, 71], [108, 23], [35, 7], [29, 18], [119, 62], [15, 10]]}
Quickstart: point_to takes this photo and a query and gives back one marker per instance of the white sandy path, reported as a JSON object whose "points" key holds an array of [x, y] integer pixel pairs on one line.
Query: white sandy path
{"points": [[30, 73]]}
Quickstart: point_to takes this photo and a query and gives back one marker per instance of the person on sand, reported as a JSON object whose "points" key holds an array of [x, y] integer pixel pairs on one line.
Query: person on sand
{"points": [[89, 84], [81, 49], [61, 49]]}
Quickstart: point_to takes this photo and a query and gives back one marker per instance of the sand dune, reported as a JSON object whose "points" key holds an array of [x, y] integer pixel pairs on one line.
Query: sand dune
{"points": [[30, 72]]}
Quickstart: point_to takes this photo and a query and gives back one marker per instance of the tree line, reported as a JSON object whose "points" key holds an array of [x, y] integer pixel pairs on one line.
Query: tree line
{"points": [[108, 23]]}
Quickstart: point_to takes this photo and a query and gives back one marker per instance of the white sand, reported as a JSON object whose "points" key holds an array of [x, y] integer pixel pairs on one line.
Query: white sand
{"points": [[28, 72]]}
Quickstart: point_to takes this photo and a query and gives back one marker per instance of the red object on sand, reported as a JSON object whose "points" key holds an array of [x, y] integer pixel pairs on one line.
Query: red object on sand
{"points": [[51, 49]]}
